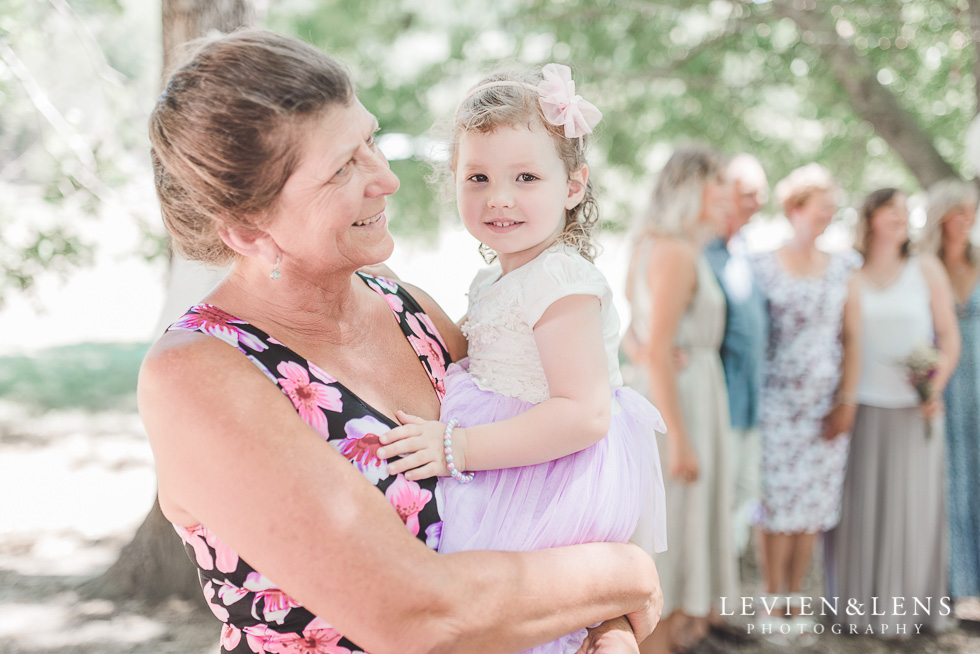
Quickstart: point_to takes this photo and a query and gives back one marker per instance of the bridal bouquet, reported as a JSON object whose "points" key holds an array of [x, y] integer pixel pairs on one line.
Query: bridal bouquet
{"points": [[921, 365]]}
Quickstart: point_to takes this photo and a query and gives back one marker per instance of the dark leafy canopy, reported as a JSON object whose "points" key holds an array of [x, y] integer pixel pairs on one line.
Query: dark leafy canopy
{"points": [[743, 76]]}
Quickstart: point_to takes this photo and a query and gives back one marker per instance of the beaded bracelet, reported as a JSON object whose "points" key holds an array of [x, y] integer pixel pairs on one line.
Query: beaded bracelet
{"points": [[447, 441]]}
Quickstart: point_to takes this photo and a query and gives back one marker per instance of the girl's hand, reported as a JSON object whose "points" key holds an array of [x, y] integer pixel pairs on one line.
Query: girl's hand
{"points": [[611, 637], [682, 460], [420, 444], [838, 422]]}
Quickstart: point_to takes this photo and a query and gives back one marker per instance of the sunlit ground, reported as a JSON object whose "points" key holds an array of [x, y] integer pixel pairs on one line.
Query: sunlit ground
{"points": [[76, 473]]}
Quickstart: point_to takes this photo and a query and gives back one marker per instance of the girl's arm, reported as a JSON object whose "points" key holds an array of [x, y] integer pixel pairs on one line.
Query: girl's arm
{"points": [[671, 278], [233, 454], [569, 341], [943, 320], [841, 417]]}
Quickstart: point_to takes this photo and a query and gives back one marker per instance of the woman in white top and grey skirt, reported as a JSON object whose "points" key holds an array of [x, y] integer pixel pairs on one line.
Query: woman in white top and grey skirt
{"points": [[889, 551]]}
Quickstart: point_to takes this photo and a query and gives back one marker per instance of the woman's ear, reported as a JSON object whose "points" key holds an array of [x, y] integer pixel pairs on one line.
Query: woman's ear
{"points": [[577, 182], [249, 242]]}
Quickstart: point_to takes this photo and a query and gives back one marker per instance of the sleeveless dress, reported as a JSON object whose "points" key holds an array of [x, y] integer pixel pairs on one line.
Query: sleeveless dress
{"points": [[802, 474], [700, 567], [891, 539], [962, 398], [259, 616], [593, 495]]}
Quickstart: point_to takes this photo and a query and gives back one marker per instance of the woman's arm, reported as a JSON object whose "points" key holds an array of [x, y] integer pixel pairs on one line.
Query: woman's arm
{"points": [[233, 454], [944, 322], [569, 342], [671, 277], [840, 419]]}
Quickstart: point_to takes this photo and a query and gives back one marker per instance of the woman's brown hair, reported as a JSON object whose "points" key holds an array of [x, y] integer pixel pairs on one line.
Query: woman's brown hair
{"points": [[224, 133], [862, 232]]}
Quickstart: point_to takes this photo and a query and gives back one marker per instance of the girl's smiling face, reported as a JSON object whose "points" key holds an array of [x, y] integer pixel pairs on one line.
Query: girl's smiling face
{"points": [[512, 191]]}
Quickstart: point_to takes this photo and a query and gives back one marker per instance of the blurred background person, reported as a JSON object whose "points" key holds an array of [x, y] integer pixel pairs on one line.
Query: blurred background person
{"points": [[950, 215], [891, 540], [808, 398], [678, 305], [743, 346]]}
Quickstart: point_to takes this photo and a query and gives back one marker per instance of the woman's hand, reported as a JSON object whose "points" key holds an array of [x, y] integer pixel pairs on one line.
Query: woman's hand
{"points": [[932, 407], [838, 422], [645, 620], [682, 460], [611, 637], [420, 444]]}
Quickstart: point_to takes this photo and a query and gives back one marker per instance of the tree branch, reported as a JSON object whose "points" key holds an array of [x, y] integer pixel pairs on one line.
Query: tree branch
{"points": [[869, 98], [974, 8]]}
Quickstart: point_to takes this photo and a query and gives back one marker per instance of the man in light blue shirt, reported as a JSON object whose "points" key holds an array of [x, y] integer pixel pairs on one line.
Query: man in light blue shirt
{"points": [[743, 347]]}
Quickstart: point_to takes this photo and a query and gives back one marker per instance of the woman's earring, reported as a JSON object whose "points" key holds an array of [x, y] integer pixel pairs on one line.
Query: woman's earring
{"points": [[276, 274]]}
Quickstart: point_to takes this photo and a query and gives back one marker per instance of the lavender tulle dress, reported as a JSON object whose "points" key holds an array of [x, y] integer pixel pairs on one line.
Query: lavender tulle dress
{"points": [[601, 493]]}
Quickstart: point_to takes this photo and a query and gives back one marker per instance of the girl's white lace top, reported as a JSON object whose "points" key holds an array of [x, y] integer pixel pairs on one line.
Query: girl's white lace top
{"points": [[504, 309]]}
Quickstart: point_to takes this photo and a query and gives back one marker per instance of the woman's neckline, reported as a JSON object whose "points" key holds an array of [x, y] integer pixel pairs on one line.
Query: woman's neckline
{"points": [[891, 281], [811, 276]]}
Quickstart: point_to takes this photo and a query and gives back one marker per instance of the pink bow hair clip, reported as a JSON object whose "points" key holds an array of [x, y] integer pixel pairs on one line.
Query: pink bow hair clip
{"points": [[560, 104]]}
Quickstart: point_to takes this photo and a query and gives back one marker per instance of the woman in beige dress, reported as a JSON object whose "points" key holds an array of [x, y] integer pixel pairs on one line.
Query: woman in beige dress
{"points": [[679, 315]]}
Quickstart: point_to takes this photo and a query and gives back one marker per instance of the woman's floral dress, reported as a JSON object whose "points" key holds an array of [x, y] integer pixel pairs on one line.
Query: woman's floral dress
{"points": [[259, 617], [802, 474]]}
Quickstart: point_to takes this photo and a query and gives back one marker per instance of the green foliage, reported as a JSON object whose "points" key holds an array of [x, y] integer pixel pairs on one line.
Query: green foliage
{"points": [[71, 127], [738, 75], [88, 376]]}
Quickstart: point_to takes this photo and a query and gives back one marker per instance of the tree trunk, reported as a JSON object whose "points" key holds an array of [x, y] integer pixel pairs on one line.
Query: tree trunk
{"points": [[186, 20], [153, 565], [870, 99]]}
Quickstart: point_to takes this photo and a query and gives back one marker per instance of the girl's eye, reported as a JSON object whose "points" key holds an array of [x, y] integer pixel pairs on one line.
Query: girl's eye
{"points": [[477, 178], [526, 177]]}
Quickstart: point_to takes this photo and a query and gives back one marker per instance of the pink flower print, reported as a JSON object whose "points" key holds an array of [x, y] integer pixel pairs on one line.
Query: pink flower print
{"points": [[230, 636], [361, 447], [427, 347], [258, 636], [229, 594], [202, 554], [308, 397], [320, 373], [427, 321], [219, 611], [202, 540], [225, 558], [395, 303], [321, 641], [212, 320], [384, 283], [409, 499], [276, 603]]}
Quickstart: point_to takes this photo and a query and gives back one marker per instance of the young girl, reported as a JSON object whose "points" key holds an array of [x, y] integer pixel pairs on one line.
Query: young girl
{"points": [[540, 443]]}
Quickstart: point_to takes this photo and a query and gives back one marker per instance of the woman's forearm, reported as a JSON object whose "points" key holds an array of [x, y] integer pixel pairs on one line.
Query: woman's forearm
{"points": [[492, 602], [662, 376]]}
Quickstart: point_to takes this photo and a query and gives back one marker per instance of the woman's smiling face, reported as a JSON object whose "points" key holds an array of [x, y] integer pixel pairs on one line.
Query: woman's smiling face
{"points": [[331, 209]]}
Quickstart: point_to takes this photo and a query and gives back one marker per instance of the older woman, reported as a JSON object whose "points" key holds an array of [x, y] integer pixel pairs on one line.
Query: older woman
{"points": [[949, 220], [679, 306], [808, 396], [265, 402], [891, 540]]}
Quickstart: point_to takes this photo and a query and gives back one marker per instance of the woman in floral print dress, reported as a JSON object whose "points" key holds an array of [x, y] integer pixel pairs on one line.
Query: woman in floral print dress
{"points": [[264, 403], [808, 396]]}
